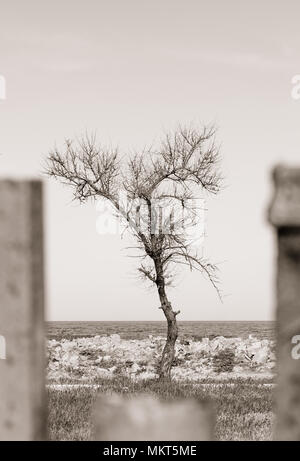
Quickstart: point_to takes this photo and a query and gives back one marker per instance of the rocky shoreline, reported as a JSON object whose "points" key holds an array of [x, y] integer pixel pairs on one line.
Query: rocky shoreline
{"points": [[88, 359]]}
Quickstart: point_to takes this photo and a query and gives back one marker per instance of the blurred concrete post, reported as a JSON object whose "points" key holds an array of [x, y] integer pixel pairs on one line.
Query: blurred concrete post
{"points": [[285, 216], [147, 418], [22, 389]]}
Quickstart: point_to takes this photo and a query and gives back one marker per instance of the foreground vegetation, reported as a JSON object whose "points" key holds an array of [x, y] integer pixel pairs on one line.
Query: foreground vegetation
{"points": [[244, 408]]}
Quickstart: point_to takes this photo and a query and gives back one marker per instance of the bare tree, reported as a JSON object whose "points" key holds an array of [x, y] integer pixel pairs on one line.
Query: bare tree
{"points": [[185, 163]]}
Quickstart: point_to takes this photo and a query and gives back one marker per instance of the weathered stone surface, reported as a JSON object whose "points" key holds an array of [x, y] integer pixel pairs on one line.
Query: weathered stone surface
{"points": [[288, 326], [285, 215], [22, 403], [147, 418], [285, 207]]}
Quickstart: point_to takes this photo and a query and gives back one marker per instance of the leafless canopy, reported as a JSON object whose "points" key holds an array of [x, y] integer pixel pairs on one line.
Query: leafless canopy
{"points": [[185, 163]]}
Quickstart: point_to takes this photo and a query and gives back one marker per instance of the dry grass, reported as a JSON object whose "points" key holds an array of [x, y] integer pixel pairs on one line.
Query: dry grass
{"points": [[244, 409]]}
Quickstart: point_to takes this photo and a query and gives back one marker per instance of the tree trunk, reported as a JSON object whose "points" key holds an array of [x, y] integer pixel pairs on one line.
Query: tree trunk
{"points": [[168, 354]]}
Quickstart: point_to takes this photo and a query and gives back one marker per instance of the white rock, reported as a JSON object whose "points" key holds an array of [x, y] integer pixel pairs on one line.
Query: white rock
{"points": [[261, 356], [104, 373], [115, 338], [217, 343], [195, 358], [272, 357], [237, 369], [134, 368]]}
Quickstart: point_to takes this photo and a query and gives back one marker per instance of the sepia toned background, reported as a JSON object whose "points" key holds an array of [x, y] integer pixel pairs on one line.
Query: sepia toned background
{"points": [[131, 70]]}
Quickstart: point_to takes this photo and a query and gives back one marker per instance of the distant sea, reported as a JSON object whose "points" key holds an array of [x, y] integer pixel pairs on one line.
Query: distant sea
{"points": [[195, 330]]}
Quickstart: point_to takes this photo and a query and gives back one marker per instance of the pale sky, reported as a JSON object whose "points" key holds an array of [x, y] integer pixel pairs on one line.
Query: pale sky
{"points": [[130, 70]]}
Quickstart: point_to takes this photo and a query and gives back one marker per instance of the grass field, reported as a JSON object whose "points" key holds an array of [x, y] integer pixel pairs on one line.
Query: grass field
{"points": [[244, 409]]}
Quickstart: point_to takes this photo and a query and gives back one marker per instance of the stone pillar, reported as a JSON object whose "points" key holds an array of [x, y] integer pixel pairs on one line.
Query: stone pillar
{"points": [[147, 418], [22, 387], [285, 216]]}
